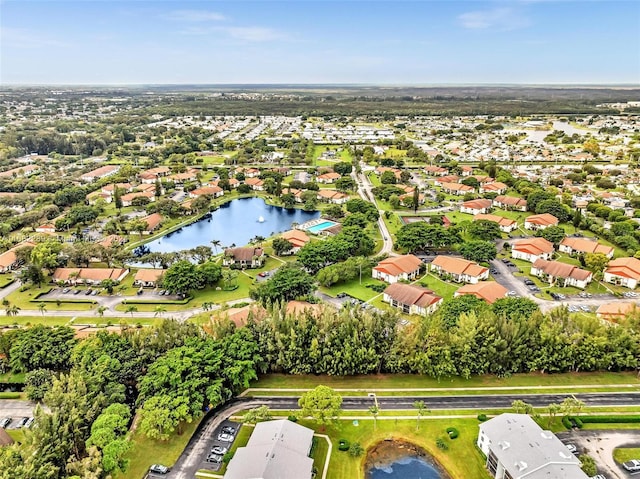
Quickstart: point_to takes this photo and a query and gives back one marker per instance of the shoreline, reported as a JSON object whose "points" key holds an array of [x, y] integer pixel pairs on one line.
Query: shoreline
{"points": [[388, 451]]}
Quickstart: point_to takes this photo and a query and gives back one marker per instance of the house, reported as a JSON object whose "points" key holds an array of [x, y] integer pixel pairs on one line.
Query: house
{"points": [[101, 172], [92, 276], [93, 197], [277, 449], [214, 191], [456, 189], [407, 199], [488, 291], [532, 249], [153, 222], [623, 271], [332, 196], [510, 203], [517, 448], [461, 270], [505, 224], [182, 178], [112, 241], [22, 171], [127, 200], [46, 228], [328, 178], [476, 207], [411, 299], [435, 170], [111, 188], [255, 183], [615, 311], [540, 222], [245, 257], [562, 274], [582, 245], [148, 278], [9, 259], [493, 187], [240, 316], [466, 170], [297, 238], [393, 269], [446, 179], [251, 172]]}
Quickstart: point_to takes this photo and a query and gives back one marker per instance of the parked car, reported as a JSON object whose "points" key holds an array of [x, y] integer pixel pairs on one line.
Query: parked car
{"points": [[341, 295], [262, 274], [23, 421], [160, 293], [586, 309], [225, 437], [77, 291], [5, 421], [217, 458], [66, 290], [512, 293], [583, 294], [219, 450], [598, 476], [572, 448], [505, 260], [29, 422], [632, 466], [528, 282], [630, 294], [88, 292], [94, 292], [229, 430], [159, 469]]}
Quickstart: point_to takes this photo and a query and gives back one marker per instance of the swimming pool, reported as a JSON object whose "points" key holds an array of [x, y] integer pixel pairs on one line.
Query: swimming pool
{"points": [[317, 228]]}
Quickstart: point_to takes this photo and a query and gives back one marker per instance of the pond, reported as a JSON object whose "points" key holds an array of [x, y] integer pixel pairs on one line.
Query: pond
{"points": [[234, 223], [400, 460]]}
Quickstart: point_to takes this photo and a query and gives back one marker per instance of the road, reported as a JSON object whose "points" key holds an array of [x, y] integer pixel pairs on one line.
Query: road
{"points": [[463, 402]]}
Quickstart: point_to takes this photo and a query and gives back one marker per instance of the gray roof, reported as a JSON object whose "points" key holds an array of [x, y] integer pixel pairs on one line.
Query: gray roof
{"points": [[527, 451], [276, 450]]}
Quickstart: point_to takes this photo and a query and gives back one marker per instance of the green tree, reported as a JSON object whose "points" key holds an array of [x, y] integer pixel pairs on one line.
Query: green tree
{"points": [[117, 198], [356, 450], [416, 199], [553, 409], [159, 310], [451, 309], [12, 310], [32, 274], [388, 178], [182, 277], [556, 208], [290, 281], [42, 307], [131, 309], [421, 409], [478, 250], [374, 411], [101, 310], [281, 246], [323, 404], [45, 255], [210, 273], [484, 230], [256, 415], [588, 465], [512, 308], [553, 234], [596, 262], [37, 383]]}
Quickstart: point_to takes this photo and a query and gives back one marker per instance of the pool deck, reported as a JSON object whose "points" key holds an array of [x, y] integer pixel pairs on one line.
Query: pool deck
{"points": [[309, 225]]}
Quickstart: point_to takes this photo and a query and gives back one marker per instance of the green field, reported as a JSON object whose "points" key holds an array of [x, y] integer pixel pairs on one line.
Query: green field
{"points": [[625, 454]]}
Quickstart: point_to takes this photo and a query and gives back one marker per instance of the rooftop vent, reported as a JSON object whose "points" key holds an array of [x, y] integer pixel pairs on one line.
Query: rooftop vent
{"points": [[521, 465], [504, 445], [546, 435]]}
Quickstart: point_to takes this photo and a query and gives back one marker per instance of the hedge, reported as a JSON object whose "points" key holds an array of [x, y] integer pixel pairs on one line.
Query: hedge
{"points": [[9, 395], [452, 432], [482, 417], [567, 422], [343, 445], [607, 419]]}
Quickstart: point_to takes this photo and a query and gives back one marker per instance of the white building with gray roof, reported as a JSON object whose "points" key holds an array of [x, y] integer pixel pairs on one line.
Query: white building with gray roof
{"points": [[517, 448], [276, 450]]}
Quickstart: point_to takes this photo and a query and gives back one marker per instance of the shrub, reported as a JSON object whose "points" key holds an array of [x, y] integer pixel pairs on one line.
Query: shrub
{"points": [[441, 444], [227, 457], [452, 432], [378, 288], [608, 419], [588, 465], [292, 418], [343, 445], [482, 417], [577, 421], [356, 450], [567, 422]]}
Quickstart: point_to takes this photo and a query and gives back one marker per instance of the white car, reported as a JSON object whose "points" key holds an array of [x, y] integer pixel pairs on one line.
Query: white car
{"points": [[632, 466], [225, 437], [572, 448]]}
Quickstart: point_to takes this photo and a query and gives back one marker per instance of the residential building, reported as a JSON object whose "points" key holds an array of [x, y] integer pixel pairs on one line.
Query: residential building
{"points": [[153, 222], [9, 259], [435, 170], [148, 278], [332, 196], [540, 222], [615, 311], [561, 274], [101, 172], [505, 224], [297, 238], [214, 191], [457, 189], [20, 172], [112, 241], [245, 257], [460, 270], [255, 183], [46, 228], [446, 179], [127, 200], [517, 448], [396, 268], [489, 291], [532, 249], [510, 203], [493, 187], [623, 271], [476, 207], [407, 199], [573, 246], [328, 178], [277, 449], [411, 299], [92, 276]]}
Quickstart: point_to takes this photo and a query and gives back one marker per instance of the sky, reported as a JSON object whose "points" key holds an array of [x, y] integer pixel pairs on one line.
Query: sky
{"points": [[302, 41]]}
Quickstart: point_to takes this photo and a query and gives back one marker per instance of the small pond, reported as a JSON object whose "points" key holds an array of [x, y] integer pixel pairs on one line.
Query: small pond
{"points": [[234, 223], [400, 460]]}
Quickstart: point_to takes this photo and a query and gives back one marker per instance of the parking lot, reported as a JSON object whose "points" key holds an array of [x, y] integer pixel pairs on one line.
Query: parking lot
{"points": [[19, 412], [219, 445]]}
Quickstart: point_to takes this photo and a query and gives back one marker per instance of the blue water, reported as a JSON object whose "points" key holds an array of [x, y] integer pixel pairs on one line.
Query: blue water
{"points": [[409, 467], [235, 222], [321, 226]]}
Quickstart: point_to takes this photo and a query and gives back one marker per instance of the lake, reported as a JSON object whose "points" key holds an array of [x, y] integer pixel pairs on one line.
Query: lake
{"points": [[408, 467], [235, 222]]}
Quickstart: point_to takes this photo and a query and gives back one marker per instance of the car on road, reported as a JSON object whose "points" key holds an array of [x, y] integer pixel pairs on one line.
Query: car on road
{"points": [[160, 293], [505, 260], [632, 466], [94, 292], [512, 293], [630, 294], [219, 450], [159, 469], [5, 421], [534, 289], [217, 458], [223, 437], [572, 448], [573, 309]]}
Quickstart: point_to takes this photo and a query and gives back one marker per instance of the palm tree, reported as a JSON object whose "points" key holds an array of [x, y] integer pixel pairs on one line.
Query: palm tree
{"points": [[215, 244], [422, 409], [131, 309], [42, 306], [12, 310], [159, 310], [374, 411], [101, 310]]}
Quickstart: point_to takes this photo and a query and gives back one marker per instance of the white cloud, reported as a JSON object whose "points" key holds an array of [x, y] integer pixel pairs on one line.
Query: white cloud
{"points": [[503, 18], [195, 16], [243, 34]]}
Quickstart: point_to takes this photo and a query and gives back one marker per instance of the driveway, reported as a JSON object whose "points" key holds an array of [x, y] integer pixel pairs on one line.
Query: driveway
{"points": [[16, 410], [600, 443]]}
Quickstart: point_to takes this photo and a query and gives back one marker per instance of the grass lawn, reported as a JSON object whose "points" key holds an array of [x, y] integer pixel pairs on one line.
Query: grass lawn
{"points": [[320, 455], [12, 377], [440, 287], [5, 280], [16, 434], [145, 452], [29, 320], [625, 454], [28, 300], [110, 321], [354, 288], [342, 465], [413, 381]]}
